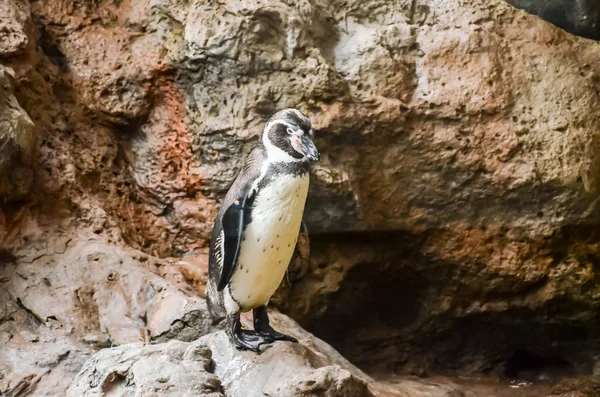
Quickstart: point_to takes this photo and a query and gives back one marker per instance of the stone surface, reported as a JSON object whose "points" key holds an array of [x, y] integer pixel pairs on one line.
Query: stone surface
{"points": [[211, 366], [399, 387], [458, 188], [284, 370], [59, 306], [584, 387], [14, 27], [170, 369]]}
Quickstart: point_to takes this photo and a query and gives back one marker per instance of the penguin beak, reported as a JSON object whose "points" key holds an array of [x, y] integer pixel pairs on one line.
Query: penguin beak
{"points": [[309, 149]]}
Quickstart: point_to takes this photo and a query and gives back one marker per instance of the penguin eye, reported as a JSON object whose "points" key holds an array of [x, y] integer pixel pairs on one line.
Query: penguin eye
{"points": [[290, 131]]}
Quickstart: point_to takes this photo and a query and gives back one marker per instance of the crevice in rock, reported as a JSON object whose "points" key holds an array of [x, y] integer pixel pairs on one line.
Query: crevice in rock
{"points": [[50, 49], [6, 257], [34, 318], [413, 10]]}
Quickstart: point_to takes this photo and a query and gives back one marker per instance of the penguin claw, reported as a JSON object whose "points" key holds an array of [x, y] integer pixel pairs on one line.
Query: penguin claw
{"points": [[251, 340]]}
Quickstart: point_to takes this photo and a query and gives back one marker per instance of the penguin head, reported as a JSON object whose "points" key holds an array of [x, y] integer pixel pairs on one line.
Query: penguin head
{"points": [[288, 137]]}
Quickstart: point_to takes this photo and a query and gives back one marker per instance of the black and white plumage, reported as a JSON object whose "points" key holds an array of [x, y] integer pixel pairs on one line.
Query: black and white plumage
{"points": [[256, 231]]}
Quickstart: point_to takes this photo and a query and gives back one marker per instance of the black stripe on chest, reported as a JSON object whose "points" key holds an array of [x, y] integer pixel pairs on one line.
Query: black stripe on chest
{"points": [[296, 169]]}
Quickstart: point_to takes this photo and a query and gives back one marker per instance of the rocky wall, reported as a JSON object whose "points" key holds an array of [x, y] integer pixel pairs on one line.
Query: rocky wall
{"points": [[453, 216]]}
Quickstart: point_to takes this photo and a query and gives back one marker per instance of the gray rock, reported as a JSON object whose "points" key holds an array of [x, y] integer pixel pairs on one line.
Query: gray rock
{"points": [[170, 369], [186, 369], [283, 370], [59, 304]]}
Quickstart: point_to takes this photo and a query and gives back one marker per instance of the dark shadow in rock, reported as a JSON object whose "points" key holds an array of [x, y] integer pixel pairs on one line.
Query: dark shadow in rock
{"points": [[581, 17], [402, 309], [525, 365]]}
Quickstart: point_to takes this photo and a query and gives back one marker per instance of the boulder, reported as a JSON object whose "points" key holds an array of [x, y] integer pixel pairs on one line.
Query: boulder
{"points": [[285, 369], [15, 25], [171, 369], [61, 303], [211, 366]]}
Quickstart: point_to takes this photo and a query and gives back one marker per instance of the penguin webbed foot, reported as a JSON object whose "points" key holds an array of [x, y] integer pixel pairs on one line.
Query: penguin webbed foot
{"points": [[245, 339], [279, 336], [261, 324], [251, 340]]}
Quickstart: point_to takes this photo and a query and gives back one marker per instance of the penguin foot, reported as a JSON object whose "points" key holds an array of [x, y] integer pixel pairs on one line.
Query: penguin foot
{"points": [[279, 336], [261, 324], [251, 340], [245, 339]]}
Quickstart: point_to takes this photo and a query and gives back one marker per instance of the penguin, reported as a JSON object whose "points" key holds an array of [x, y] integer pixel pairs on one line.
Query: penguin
{"points": [[255, 233]]}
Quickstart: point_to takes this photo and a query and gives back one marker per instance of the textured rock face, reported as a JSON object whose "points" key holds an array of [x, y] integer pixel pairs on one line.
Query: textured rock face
{"points": [[61, 303], [453, 215], [172, 369], [283, 370], [16, 25], [212, 367]]}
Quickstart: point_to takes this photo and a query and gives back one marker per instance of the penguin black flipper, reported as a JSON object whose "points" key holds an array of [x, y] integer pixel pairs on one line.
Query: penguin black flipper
{"points": [[233, 228], [233, 217]]}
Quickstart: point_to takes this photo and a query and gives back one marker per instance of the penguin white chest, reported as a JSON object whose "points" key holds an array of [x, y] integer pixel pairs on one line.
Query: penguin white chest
{"points": [[269, 240]]}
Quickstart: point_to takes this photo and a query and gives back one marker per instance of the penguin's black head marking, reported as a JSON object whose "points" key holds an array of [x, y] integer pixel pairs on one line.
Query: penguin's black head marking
{"points": [[288, 137], [280, 136]]}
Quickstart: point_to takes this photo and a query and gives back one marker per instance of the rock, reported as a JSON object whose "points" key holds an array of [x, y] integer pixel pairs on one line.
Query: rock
{"points": [[408, 306], [282, 370], [108, 289], [580, 17], [17, 141], [79, 297], [401, 386], [170, 369], [583, 387], [211, 366], [178, 368], [88, 295], [458, 187], [14, 21], [35, 359]]}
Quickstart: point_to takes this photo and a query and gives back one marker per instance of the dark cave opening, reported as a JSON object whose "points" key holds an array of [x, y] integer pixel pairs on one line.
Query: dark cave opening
{"points": [[526, 365], [399, 310]]}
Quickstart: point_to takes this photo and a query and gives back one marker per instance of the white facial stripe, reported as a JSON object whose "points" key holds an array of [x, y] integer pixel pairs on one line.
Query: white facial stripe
{"points": [[295, 130], [275, 154]]}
